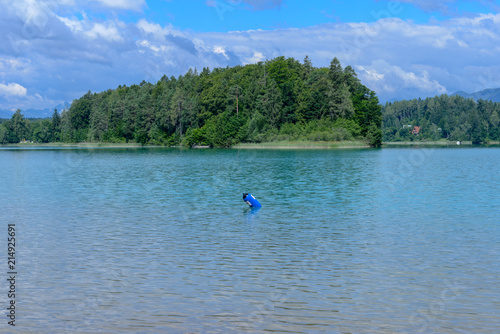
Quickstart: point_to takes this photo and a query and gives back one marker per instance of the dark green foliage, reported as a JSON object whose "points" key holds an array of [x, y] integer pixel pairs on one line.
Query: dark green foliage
{"points": [[222, 130], [442, 117], [55, 127], [16, 129], [374, 135], [41, 131], [280, 99], [79, 117], [3, 134], [336, 73]]}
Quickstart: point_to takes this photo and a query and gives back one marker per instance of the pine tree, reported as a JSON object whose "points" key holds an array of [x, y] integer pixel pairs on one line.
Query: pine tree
{"points": [[55, 127]]}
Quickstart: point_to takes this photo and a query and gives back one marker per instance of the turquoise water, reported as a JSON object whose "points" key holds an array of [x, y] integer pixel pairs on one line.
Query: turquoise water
{"points": [[157, 240]]}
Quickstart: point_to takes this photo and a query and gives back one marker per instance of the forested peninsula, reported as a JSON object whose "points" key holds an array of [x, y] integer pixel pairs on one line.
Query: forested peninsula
{"points": [[277, 100]]}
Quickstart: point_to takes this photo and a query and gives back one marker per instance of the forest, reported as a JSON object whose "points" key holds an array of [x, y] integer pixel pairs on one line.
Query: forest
{"points": [[277, 100], [442, 118]]}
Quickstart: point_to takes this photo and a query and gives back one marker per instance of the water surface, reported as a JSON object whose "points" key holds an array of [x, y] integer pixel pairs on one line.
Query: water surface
{"points": [[150, 240]]}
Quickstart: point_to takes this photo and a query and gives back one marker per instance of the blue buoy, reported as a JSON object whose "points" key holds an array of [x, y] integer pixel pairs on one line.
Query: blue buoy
{"points": [[250, 200]]}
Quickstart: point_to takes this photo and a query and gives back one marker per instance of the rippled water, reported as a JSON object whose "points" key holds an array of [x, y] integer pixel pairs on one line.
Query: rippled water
{"points": [[159, 240]]}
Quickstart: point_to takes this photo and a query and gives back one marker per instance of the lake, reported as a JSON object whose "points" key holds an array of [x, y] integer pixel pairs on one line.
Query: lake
{"points": [[156, 240]]}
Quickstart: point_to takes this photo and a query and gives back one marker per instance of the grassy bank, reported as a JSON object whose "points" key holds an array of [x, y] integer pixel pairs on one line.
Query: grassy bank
{"points": [[302, 145]]}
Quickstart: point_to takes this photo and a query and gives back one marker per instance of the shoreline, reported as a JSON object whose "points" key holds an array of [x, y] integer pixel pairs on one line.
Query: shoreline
{"points": [[436, 143], [265, 145], [302, 145], [426, 143], [89, 145]]}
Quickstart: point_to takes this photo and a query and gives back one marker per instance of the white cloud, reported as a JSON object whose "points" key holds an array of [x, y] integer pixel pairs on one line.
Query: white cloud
{"points": [[477, 21], [151, 28], [145, 45], [420, 81], [396, 58], [255, 58], [11, 65], [386, 78], [108, 32], [12, 89], [74, 25], [220, 50], [157, 31], [371, 74], [135, 5]]}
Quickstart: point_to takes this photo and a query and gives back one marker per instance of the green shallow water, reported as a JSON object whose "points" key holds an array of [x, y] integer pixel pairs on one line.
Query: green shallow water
{"points": [[153, 240]]}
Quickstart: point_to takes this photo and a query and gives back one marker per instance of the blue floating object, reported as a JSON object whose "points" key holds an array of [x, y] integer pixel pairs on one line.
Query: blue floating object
{"points": [[250, 200]]}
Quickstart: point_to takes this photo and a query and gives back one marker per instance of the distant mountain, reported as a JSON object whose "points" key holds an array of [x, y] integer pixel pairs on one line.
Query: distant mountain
{"points": [[492, 94], [5, 113], [35, 113]]}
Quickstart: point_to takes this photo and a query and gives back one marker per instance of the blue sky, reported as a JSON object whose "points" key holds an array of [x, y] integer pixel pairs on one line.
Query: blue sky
{"points": [[226, 16], [53, 51]]}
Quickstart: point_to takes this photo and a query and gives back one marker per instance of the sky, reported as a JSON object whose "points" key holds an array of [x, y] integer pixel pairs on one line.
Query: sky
{"points": [[54, 51]]}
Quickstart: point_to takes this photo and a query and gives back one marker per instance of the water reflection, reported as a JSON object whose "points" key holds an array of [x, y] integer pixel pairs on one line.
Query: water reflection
{"points": [[251, 217]]}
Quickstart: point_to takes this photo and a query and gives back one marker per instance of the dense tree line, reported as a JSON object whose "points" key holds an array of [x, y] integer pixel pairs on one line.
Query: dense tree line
{"points": [[20, 129], [280, 99], [442, 117]]}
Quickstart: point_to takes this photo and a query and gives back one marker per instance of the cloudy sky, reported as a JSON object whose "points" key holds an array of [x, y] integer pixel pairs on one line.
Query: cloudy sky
{"points": [[54, 51]]}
